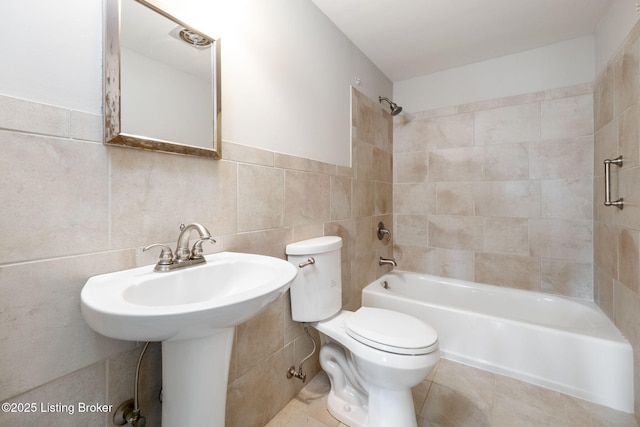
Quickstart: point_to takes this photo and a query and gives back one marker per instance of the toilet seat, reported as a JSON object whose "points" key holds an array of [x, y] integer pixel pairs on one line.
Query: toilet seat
{"points": [[391, 331]]}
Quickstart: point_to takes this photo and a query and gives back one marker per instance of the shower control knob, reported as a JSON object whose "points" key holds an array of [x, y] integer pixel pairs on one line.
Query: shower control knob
{"points": [[382, 232]]}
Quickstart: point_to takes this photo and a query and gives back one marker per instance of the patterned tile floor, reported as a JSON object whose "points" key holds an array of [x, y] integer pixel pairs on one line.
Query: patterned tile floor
{"points": [[459, 396]]}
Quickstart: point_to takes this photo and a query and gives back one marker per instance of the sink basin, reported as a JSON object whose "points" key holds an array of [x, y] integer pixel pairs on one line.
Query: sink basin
{"points": [[193, 311], [143, 305]]}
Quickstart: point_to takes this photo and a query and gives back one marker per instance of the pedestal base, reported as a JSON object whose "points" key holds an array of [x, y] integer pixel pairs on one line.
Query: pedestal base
{"points": [[195, 373]]}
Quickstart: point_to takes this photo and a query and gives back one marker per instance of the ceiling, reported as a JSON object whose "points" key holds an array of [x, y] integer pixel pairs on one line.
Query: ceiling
{"points": [[410, 38]]}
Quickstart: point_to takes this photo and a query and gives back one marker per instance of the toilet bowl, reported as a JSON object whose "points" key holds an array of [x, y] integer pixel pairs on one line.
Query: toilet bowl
{"points": [[371, 377], [372, 356]]}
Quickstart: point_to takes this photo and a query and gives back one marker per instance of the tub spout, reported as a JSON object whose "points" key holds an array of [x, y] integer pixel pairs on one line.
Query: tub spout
{"points": [[388, 261]]}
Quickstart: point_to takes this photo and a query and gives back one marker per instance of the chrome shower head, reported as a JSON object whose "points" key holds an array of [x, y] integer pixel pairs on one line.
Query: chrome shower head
{"points": [[395, 108]]}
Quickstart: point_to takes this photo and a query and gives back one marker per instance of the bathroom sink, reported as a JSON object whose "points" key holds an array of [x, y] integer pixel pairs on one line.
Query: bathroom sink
{"points": [[193, 311], [143, 305]]}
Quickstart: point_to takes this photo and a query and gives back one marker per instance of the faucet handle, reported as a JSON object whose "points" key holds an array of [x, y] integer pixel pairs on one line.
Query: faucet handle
{"points": [[166, 256], [196, 252], [382, 231]]}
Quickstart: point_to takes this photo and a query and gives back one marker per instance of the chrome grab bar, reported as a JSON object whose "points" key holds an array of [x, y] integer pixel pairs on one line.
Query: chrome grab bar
{"points": [[607, 183]]}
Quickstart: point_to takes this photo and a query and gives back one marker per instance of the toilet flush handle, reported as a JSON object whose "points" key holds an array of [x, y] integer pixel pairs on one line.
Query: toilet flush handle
{"points": [[309, 261]]}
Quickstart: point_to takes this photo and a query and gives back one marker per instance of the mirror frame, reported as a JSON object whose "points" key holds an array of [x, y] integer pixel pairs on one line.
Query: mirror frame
{"points": [[113, 134]]}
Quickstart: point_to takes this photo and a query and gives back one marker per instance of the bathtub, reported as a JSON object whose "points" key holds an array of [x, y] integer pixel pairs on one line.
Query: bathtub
{"points": [[559, 343]]}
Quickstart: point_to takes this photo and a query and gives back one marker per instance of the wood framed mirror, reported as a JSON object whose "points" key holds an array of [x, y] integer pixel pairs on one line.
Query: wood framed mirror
{"points": [[161, 81]]}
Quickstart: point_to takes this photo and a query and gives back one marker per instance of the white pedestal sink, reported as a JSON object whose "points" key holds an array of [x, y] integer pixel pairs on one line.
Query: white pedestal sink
{"points": [[193, 312]]}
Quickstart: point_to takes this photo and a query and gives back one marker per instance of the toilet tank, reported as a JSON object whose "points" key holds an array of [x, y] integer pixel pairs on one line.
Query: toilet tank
{"points": [[316, 292]]}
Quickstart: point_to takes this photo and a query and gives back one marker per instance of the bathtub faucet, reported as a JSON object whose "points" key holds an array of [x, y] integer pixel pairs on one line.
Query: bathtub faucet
{"points": [[388, 261]]}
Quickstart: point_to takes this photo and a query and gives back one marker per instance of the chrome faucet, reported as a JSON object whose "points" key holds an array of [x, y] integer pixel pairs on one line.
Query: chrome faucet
{"points": [[183, 253], [184, 256], [388, 261]]}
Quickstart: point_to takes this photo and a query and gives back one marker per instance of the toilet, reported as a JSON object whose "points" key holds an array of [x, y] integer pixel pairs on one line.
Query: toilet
{"points": [[372, 356]]}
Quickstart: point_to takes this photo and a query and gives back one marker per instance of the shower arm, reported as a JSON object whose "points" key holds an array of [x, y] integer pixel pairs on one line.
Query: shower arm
{"points": [[395, 108]]}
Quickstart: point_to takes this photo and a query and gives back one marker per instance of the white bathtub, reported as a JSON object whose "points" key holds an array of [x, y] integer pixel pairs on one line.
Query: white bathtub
{"points": [[559, 343]]}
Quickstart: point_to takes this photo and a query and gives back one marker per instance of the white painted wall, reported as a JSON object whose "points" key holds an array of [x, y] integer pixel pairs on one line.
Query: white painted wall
{"points": [[287, 72], [286, 68], [51, 52], [561, 64], [613, 28]]}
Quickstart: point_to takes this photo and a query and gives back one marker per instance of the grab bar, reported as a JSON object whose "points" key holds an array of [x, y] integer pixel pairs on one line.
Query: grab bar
{"points": [[607, 183]]}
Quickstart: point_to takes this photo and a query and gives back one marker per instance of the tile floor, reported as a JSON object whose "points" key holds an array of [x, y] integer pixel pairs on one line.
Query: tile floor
{"points": [[457, 395]]}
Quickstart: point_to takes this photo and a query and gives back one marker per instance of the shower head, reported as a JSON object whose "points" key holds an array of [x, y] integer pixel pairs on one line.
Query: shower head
{"points": [[395, 108]]}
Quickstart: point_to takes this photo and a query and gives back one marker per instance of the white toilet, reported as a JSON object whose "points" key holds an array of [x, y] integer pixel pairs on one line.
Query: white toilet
{"points": [[372, 356]]}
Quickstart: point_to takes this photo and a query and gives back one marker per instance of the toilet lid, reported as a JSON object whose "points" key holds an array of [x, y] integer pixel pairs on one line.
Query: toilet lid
{"points": [[391, 331]]}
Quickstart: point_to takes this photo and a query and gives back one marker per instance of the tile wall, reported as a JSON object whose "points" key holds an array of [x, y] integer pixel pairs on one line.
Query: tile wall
{"points": [[499, 191], [72, 208], [511, 192], [484, 192], [617, 232]]}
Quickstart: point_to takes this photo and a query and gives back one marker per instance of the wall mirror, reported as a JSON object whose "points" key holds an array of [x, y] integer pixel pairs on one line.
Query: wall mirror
{"points": [[161, 81]]}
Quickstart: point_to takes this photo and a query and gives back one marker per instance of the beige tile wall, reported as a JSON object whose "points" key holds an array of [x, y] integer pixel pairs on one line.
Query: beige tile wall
{"points": [[72, 208], [617, 232], [499, 192]]}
